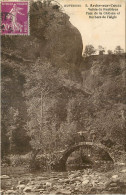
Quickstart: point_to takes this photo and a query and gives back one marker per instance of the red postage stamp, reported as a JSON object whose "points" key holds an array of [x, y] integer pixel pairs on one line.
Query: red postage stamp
{"points": [[15, 18]]}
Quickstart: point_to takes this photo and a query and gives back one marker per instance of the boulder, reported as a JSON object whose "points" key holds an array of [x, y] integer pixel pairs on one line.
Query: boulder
{"points": [[115, 176], [24, 181], [85, 182], [123, 171], [63, 191], [4, 177], [21, 187], [48, 184], [28, 189], [11, 192], [113, 184]]}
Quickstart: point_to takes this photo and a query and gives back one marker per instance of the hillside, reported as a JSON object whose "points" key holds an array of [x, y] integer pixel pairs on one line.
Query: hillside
{"points": [[104, 78]]}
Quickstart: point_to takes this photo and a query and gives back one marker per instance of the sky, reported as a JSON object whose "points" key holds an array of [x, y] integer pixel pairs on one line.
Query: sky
{"points": [[106, 32]]}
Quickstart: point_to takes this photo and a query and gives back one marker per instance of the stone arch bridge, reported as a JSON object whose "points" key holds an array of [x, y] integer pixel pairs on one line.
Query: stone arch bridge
{"points": [[60, 165]]}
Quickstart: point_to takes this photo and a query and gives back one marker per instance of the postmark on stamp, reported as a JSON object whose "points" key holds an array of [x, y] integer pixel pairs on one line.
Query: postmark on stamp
{"points": [[15, 18]]}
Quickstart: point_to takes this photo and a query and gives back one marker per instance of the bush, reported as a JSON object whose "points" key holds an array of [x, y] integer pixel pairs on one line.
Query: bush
{"points": [[19, 160], [5, 161]]}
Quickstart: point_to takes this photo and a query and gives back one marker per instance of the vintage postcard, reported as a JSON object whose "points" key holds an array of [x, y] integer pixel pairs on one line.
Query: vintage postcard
{"points": [[63, 97]]}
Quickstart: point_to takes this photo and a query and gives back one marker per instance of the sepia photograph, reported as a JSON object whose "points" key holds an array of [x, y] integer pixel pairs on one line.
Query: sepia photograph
{"points": [[63, 97]]}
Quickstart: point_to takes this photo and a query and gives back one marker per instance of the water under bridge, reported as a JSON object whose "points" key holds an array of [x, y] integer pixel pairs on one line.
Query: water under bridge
{"points": [[60, 165]]}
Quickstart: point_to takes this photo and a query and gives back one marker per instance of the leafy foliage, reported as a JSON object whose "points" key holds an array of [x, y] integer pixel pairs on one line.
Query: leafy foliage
{"points": [[110, 52], [89, 50], [118, 50], [13, 103]]}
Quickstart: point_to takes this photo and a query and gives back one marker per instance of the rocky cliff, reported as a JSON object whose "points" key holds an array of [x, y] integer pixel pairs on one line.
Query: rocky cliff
{"points": [[52, 36]]}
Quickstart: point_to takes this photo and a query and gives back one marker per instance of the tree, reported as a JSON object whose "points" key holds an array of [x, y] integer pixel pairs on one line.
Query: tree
{"points": [[13, 110], [118, 50], [101, 50], [110, 52], [19, 140], [41, 84], [89, 50], [4, 140]]}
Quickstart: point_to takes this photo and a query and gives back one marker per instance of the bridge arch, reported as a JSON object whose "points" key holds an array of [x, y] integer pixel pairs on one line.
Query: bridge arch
{"points": [[61, 164]]}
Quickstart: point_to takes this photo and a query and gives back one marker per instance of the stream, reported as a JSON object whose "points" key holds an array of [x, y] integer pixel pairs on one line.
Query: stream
{"points": [[87, 181]]}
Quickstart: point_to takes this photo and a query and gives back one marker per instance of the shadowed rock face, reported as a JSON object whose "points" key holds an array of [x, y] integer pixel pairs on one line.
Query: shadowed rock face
{"points": [[66, 44], [51, 35], [63, 42]]}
